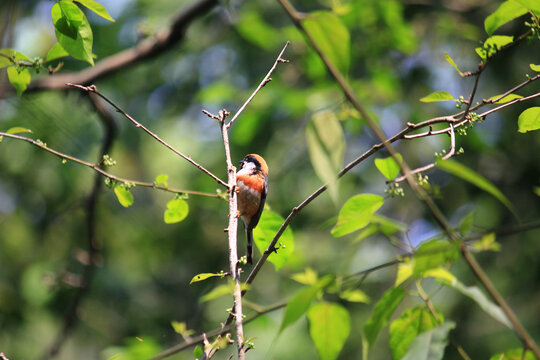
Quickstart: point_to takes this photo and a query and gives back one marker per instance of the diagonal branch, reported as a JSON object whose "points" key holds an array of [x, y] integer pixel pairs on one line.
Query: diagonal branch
{"points": [[93, 89]]}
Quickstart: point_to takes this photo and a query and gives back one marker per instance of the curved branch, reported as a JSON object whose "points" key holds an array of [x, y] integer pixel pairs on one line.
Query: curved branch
{"points": [[146, 49]]}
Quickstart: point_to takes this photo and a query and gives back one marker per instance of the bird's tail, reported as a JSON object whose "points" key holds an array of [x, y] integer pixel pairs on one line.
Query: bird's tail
{"points": [[249, 242]]}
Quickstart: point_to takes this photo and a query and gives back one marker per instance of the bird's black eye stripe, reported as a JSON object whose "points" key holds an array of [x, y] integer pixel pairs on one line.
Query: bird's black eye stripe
{"points": [[253, 160]]}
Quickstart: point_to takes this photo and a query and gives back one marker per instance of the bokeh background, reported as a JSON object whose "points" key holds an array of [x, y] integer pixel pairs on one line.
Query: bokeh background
{"points": [[144, 268]]}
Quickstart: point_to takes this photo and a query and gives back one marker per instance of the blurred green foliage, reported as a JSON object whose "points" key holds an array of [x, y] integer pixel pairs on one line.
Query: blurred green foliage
{"points": [[144, 265]]}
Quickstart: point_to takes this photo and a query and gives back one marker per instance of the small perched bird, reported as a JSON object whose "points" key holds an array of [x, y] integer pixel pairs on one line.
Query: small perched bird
{"points": [[252, 187]]}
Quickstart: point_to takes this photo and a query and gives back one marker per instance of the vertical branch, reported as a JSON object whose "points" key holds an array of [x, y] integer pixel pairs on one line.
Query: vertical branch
{"points": [[232, 232]]}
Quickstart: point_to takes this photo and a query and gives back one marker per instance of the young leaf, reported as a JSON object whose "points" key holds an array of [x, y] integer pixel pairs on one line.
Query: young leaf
{"points": [[19, 78], [514, 354], [329, 327], [356, 213], [18, 130], [56, 52], [162, 179], [217, 292], [535, 67], [505, 99], [381, 313], [123, 195], [355, 295], [388, 166], [432, 254], [430, 344], [177, 210], [204, 276], [451, 61], [308, 277], [437, 96], [97, 8], [404, 271], [466, 223], [407, 327], [73, 30], [507, 11], [263, 234], [197, 352], [472, 177], [481, 299], [529, 120], [487, 243], [388, 226], [332, 37], [301, 301], [326, 145], [4, 60], [440, 273]]}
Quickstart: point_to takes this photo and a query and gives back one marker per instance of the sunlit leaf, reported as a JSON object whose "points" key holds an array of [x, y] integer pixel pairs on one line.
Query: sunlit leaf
{"points": [[430, 345], [4, 60], [56, 52], [356, 213], [407, 327], [332, 37], [329, 327], [432, 254], [301, 301], [514, 354], [97, 8], [381, 313], [437, 96], [452, 62], [535, 67], [529, 120], [18, 130], [180, 327], [263, 234], [506, 98], [388, 166], [440, 273], [73, 30], [404, 271], [177, 210], [476, 179], [308, 277], [123, 195], [204, 276], [326, 145], [19, 78], [355, 295], [507, 11], [162, 180], [487, 243]]}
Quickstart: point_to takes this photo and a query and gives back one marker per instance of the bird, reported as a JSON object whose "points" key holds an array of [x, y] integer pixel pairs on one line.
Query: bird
{"points": [[252, 188]]}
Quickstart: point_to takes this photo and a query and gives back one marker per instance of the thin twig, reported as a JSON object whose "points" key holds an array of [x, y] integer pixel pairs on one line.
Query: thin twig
{"points": [[265, 80], [93, 89], [98, 169], [510, 103]]}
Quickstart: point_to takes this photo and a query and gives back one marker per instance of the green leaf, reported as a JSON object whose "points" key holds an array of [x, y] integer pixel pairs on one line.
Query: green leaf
{"points": [[505, 99], [452, 62], [388, 166], [466, 224], [482, 300], [308, 277], [356, 213], [355, 295], [18, 130], [407, 327], [514, 354], [487, 243], [404, 271], [430, 344], [529, 120], [56, 52], [326, 145], [5, 61], [252, 26], [123, 195], [180, 327], [472, 177], [162, 179], [177, 210], [437, 96], [329, 327], [507, 11], [97, 8], [73, 30], [263, 234], [381, 313], [204, 276], [19, 77], [332, 37], [432, 254], [536, 190], [533, 67], [197, 352], [388, 226], [440, 273], [301, 301], [498, 41]]}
